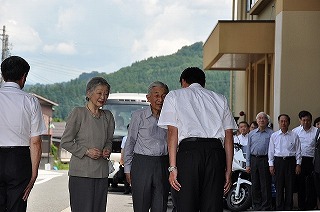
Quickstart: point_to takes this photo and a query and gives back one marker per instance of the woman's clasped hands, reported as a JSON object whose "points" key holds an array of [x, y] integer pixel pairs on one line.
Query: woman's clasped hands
{"points": [[96, 153]]}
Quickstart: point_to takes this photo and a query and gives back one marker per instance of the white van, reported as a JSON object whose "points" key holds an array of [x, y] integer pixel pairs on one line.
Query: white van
{"points": [[122, 105]]}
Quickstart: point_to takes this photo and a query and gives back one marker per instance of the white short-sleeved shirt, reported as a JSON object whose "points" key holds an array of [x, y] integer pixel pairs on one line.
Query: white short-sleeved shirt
{"points": [[241, 139], [20, 117], [196, 112], [307, 140], [284, 145]]}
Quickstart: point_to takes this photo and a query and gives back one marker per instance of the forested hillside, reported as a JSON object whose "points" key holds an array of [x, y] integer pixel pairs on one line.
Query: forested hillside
{"points": [[134, 78]]}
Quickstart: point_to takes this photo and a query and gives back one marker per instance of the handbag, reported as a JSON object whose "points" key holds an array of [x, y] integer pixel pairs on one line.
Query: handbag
{"points": [[120, 173], [110, 166], [119, 177]]}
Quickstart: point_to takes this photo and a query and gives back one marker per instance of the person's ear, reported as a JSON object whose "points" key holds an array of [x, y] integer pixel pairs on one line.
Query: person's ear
{"points": [[22, 81], [148, 97], [184, 84]]}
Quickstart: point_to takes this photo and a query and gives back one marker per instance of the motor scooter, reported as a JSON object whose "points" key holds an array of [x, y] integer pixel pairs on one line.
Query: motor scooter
{"points": [[239, 197]]}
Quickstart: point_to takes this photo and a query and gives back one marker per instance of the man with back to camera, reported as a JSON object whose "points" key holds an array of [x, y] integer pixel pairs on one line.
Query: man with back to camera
{"points": [[257, 164], [284, 162], [146, 154], [307, 134], [21, 124], [198, 120]]}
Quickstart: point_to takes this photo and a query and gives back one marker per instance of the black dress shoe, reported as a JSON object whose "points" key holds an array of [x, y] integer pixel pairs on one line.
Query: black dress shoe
{"points": [[127, 192]]}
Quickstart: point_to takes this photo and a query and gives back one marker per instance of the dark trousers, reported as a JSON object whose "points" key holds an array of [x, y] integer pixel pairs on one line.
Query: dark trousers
{"points": [[174, 200], [127, 187], [261, 184], [285, 174], [201, 172], [15, 174], [305, 201], [149, 183], [317, 183], [88, 194]]}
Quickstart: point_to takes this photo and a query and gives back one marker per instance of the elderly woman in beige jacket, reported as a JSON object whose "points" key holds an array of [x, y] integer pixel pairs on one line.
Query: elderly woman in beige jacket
{"points": [[88, 137]]}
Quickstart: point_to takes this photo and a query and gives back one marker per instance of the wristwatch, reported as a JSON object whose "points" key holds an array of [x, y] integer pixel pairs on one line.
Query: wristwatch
{"points": [[172, 168]]}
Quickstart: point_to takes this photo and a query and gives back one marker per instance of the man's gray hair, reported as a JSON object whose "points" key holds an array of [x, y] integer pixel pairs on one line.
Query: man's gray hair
{"points": [[157, 84], [264, 114]]}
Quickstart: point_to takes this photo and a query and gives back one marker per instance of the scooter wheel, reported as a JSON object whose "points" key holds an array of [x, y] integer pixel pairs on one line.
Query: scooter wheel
{"points": [[241, 202]]}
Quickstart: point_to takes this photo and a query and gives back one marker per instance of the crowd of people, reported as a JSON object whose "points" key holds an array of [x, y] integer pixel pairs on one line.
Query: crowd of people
{"points": [[173, 145], [182, 144], [289, 159]]}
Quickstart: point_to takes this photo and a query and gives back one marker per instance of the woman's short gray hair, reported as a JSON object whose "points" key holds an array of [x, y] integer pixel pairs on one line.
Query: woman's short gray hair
{"points": [[157, 84], [94, 82]]}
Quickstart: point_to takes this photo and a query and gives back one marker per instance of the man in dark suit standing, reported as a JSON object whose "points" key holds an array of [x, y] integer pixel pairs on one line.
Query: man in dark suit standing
{"points": [[317, 163]]}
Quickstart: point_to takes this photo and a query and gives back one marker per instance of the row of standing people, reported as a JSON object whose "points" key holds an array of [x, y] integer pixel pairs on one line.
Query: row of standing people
{"points": [[289, 156]]}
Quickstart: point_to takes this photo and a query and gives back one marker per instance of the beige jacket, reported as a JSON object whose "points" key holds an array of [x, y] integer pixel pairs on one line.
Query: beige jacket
{"points": [[83, 132]]}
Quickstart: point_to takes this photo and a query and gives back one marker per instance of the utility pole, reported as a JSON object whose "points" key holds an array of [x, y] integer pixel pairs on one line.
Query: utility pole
{"points": [[5, 48]]}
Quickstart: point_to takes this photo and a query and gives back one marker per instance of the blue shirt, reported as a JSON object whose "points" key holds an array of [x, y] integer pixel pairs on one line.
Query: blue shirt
{"points": [[258, 143], [144, 137]]}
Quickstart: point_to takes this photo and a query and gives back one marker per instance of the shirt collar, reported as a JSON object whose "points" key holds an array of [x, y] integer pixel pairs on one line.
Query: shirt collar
{"points": [[148, 112], [195, 85], [244, 136], [302, 129], [280, 132], [10, 85], [309, 130], [258, 130]]}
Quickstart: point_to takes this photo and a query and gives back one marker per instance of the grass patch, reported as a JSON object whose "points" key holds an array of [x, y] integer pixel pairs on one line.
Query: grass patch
{"points": [[57, 163], [60, 165]]}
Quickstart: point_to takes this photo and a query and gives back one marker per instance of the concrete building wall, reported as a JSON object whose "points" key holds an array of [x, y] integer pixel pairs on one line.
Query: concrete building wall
{"points": [[269, 13], [297, 63], [240, 97]]}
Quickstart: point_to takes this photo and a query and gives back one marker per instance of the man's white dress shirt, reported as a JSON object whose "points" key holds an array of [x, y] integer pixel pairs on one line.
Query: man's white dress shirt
{"points": [[20, 116], [284, 145], [210, 115], [307, 140]]}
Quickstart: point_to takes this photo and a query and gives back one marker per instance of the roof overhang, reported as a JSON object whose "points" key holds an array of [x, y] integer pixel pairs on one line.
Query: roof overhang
{"points": [[232, 45], [44, 101]]}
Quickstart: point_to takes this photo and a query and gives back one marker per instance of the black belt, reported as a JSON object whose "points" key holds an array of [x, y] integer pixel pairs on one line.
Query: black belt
{"points": [[200, 139], [285, 157], [14, 147], [259, 156]]}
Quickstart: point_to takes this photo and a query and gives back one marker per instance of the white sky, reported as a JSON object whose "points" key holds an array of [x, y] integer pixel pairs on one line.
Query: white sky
{"points": [[63, 38]]}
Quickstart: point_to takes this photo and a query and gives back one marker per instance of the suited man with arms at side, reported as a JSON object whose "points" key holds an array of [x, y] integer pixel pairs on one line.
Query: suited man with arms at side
{"points": [[146, 158], [306, 133], [257, 163], [316, 162]]}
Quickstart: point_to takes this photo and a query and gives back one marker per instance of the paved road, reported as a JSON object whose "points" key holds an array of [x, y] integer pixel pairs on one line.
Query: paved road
{"points": [[50, 194]]}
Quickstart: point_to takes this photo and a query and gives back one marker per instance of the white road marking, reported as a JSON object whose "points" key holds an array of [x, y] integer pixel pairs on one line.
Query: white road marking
{"points": [[44, 176], [68, 209]]}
